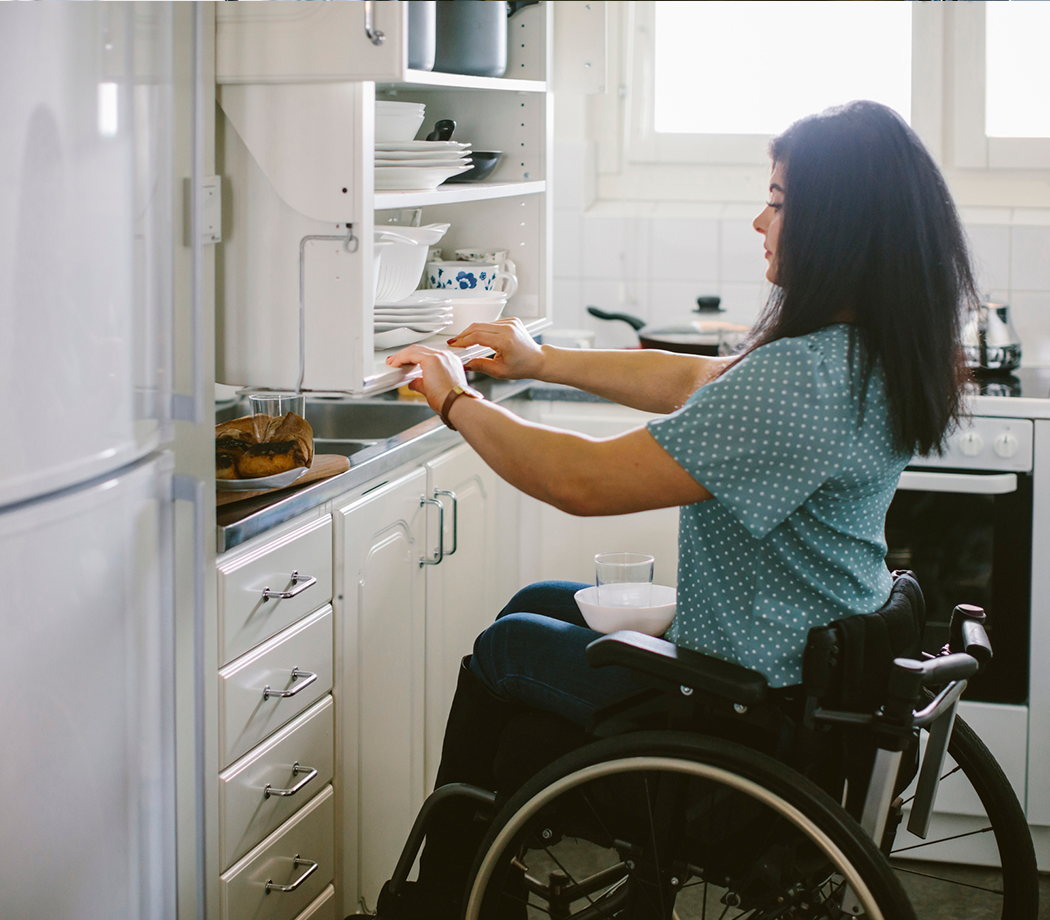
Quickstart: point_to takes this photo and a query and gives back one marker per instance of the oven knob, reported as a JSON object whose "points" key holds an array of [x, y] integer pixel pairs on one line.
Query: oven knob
{"points": [[971, 443], [1005, 445]]}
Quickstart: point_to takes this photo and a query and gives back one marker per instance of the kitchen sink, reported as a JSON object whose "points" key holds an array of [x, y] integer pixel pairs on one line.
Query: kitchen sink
{"points": [[348, 427]]}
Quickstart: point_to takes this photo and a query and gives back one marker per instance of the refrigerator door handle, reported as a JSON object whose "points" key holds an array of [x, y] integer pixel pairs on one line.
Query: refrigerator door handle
{"points": [[190, 489], [190, 408]]}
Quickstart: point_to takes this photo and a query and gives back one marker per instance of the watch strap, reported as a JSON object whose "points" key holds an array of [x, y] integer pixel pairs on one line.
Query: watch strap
{"points": [[453, 395]]}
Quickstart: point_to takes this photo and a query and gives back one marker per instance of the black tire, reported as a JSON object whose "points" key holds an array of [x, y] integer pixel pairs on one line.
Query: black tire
{"points": [[1017, 897], [763, 840]]}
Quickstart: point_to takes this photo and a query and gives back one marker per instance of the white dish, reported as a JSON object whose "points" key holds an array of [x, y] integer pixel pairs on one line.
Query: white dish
{"points": [[398, 121], [399, 338], [417, 146], [429, 319], [262, 483], [431, 328], [475, 310], [393, 178], [403, 260], [417, 298], [652, 620], [423, 163]]}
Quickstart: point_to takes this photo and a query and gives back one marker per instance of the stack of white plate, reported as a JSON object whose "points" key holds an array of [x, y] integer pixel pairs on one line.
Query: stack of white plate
{"points": [[419, 165], [417, 317]]}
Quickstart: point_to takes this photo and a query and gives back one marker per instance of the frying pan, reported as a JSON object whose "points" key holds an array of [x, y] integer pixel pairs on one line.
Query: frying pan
{"points": [[699, 333]]}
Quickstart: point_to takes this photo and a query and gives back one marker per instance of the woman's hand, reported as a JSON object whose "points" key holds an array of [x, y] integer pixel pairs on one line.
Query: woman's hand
{"points": [[441, 372], [517, 354]]}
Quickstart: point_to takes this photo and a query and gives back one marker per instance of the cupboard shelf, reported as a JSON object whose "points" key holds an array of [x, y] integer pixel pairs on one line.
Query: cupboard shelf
{"points": [[427, 79], [386, 378], [455, 193]]}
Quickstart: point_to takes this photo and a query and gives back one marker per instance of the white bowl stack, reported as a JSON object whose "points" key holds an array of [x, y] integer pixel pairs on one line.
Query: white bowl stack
{"points": [[416, 317], [419, 165]]}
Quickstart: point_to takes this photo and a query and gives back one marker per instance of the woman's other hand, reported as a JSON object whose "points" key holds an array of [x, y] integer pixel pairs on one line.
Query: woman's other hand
{"points": [[517, 354], [441, 372]]}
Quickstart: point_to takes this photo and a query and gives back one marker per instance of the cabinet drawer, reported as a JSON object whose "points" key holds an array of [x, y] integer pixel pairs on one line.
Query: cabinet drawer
{"points": [[323, 908], [308, 838], [248, 812], [250, 708], [245, 618]]}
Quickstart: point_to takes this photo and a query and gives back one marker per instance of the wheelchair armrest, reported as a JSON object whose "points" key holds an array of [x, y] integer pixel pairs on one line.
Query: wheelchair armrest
{"points": [[685, 667]]}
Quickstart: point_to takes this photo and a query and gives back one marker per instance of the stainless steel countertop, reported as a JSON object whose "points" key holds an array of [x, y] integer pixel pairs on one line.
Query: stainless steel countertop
{"points": [[240, 521]]}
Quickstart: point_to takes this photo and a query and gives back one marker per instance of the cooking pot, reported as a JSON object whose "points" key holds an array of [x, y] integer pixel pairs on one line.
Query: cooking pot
{"points": [[990, 341], [699, 333]]}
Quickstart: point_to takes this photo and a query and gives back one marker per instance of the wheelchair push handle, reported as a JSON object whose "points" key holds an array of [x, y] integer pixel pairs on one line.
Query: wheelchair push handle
{"points": [[967, 633]]}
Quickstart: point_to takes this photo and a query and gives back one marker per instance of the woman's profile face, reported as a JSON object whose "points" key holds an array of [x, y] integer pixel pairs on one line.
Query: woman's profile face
{"points": [[769, 221]]}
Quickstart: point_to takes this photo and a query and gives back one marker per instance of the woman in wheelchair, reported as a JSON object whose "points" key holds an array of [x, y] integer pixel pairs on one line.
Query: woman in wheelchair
{"points": [[784, 461]]}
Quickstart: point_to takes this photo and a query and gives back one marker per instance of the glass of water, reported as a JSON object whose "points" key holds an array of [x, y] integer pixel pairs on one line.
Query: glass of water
{"points": [[624, 579]]}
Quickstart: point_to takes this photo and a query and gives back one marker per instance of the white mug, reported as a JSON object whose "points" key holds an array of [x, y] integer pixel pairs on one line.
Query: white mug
{"points": [[470, 276]]}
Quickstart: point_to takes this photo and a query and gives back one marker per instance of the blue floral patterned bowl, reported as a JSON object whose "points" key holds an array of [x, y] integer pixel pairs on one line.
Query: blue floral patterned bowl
{"points": [[470, 276]]}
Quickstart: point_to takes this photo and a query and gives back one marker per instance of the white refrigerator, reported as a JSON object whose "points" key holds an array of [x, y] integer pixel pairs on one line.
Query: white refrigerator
{"points": [[87, 735]]}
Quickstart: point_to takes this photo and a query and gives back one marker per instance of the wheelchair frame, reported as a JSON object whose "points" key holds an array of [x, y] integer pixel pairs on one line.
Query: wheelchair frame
{"points": [[893, 725]]}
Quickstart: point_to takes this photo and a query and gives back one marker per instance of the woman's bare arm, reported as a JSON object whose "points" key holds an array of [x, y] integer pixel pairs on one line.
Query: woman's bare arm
{"points": [[647, 379]]}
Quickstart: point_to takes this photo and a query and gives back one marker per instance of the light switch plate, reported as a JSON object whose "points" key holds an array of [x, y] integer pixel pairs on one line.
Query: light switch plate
{"points": [[211, 209]]}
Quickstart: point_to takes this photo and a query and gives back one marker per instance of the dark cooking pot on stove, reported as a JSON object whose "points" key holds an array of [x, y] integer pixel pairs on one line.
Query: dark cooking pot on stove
{"points": [[699, 333]]}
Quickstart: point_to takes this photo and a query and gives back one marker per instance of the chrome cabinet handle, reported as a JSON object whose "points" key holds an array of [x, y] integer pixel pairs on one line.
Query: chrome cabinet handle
{"points": [[270, 886], [284, 694], [455, 518], [423, 560], [307, 582], [374, 35], [269, 790]]}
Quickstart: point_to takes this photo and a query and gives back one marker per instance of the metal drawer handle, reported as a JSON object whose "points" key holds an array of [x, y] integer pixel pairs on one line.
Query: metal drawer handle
{"points": [[455, 518], [269, 790], [296, 863], [296, 674], [440, 554], [308, 581], [374, 35]]}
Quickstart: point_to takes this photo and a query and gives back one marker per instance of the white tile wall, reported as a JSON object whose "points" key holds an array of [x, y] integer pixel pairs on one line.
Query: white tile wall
{"points": [[627, 260]]}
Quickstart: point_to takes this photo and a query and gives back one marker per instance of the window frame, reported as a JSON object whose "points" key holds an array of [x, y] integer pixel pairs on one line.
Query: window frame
{"points": [[948, 99]]}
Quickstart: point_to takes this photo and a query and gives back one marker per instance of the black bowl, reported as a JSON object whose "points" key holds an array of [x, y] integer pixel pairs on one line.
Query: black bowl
{"points": [[484, 161]]}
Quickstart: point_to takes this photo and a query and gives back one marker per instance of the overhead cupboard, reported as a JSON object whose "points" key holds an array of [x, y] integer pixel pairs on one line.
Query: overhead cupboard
{"points": [[297, 91]]}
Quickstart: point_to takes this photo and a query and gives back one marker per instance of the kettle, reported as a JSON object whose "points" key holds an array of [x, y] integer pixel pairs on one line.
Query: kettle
{"points": [[990, 341]]}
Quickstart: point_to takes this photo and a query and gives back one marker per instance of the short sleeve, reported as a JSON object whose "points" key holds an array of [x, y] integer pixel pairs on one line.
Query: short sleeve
{"points": [[764, 436]]}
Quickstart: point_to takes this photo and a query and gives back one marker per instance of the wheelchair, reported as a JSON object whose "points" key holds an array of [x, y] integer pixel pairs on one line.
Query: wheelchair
{"points": [[709, 794]]}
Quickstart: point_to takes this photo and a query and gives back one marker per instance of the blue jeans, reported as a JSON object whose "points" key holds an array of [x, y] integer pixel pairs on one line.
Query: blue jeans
{"points": [[534, 654]]}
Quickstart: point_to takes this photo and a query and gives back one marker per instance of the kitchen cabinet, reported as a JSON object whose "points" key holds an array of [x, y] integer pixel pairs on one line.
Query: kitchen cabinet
{"points": [[556, 545], [295, 146], [463, 591], [381, 585]]}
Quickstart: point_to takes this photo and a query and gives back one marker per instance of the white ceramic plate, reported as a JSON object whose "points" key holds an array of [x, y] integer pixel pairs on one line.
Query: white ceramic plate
{"points": [[653, 620], [414, 316], [423, 163], [419, 298], [429, 328], [414, 178], [426, 322], [415, 148], [399, 338], [263, 482]]}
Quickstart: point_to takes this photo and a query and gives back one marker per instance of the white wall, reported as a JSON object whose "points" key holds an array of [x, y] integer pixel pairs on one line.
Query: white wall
{"points": [[648, 238]]}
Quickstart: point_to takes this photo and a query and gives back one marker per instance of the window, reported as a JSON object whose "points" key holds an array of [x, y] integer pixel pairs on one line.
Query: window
{"points": [[753, 68]]}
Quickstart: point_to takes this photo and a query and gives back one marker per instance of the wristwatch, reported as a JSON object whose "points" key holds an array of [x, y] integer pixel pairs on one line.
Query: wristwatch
{"points": [[453, 395]]}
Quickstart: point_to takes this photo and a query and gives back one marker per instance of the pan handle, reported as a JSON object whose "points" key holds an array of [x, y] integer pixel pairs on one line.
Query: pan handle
{"points": [[633, 321]]}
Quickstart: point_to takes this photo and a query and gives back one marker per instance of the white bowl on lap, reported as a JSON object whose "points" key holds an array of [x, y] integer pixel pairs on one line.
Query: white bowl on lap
{"points": [[652, 620]]}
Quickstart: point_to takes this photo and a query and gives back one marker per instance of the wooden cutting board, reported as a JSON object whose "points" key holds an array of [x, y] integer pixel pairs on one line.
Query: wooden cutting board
{"points": [[324, 465]]}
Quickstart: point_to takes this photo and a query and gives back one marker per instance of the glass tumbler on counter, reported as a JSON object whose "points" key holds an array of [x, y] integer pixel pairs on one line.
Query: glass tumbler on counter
{"points": [[276, 405], [624, 579]]}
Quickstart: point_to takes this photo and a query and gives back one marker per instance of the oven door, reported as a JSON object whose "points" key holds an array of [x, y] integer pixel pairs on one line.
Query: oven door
{"points": [[967, 536]]}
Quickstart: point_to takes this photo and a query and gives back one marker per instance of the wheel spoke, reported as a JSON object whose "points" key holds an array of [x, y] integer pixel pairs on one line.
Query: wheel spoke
{"points": [[930, 843], [955, 769], [568, 874], [950, 881]]}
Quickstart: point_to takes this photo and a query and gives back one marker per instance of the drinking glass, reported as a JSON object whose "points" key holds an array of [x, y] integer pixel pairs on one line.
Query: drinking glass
{"points": [[276, 405], [624, 579]]}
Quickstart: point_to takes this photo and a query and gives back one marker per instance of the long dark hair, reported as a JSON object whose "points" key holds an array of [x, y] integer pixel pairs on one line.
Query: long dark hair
{"points": [[870, 230]]}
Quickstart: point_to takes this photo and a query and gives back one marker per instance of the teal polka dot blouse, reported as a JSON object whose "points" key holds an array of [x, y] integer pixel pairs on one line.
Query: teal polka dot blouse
{"points": [[798, 453]]}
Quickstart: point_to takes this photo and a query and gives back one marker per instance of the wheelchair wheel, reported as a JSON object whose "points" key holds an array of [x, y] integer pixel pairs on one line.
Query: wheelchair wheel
{"points": [[1009, 890], [678, 827]]}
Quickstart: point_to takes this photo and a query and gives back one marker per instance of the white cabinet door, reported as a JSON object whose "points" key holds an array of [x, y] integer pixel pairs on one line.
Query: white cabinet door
{"points": [[463, 590], [381, 663], [556, 545]]}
